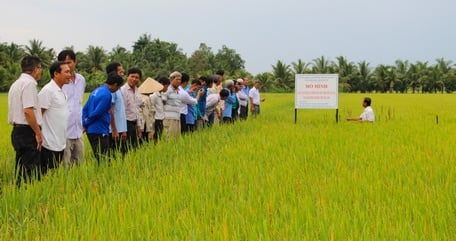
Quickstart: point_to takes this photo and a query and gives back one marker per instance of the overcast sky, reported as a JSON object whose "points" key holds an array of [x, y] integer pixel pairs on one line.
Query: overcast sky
{"points": [[261, 31]]}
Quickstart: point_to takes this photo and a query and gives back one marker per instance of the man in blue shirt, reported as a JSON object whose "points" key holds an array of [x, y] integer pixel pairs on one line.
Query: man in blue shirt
{"points": [[96, 116]]}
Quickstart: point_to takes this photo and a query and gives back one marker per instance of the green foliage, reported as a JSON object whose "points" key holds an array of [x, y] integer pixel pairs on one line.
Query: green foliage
{"points": [[157, 58], [228, 60], [283, 77], [36, 48]]}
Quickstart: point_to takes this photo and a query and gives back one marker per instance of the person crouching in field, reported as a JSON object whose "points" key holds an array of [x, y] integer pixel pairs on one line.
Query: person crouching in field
{"points": [[368, 113], [96, 116]]}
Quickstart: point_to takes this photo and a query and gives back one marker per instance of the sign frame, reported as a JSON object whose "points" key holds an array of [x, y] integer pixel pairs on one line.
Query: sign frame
{"points": [[317, 91]]}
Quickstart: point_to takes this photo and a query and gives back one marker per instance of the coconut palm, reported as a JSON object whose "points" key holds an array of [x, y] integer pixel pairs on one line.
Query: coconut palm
{"points": [[348, 78], [121, 55], [267, 81], [322, 66], [93, 60], [283, 77], [402, 80], [15, 52], [36, 48], [300, 67], [366, 83]]}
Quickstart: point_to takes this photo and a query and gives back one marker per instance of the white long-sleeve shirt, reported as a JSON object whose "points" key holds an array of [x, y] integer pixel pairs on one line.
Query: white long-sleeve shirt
{"points": [[186, 99]]}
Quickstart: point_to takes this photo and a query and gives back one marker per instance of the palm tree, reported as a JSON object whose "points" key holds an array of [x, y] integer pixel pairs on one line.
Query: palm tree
{"points": [[283, 76], [300, 67], [382, 78], [15, 52], [435, 82], [143, 41], [322, 66], [266, 80], [94, 59], [347, 71], [365, 77], [36, 48], [422, 75], [414, 78], [444, 67], [121, 55], [402, 80]]}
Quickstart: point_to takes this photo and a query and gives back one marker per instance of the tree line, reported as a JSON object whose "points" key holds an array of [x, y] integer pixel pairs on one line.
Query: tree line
{"points": [[158, 58]]}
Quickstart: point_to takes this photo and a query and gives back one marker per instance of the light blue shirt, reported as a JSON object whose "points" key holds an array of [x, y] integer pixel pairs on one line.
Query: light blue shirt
{"points": [[228, 111], [119, 112]]}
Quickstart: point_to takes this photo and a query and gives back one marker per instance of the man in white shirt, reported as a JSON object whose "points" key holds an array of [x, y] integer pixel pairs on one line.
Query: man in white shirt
{"points": [[25, 117], [254, 98], [157, 101], [368, 113], [54, 109], [186, 99]]}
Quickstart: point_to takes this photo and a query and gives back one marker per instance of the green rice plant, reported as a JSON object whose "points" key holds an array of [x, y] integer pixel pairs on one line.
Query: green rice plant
{"points": [[261, 179]]}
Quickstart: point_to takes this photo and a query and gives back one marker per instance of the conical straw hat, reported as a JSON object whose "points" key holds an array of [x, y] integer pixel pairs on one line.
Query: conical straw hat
{"points": [[150, 86]]}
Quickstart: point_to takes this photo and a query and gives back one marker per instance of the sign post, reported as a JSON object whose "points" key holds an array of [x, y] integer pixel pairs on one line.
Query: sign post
{"points": [[317, 91]]}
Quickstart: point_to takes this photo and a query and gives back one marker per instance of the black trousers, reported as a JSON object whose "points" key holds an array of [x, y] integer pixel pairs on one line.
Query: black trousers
{"points": [[100, 144], [50, 159], [234, 114], [117, 145], [27, 156], [227, 120], [158, 128], [183, 124], [132, 134], [243, 112]]}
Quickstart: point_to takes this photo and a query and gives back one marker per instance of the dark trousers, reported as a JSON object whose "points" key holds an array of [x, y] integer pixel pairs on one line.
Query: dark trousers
{"points": [[234, 114], [158, 128], [191, 127], [27, 156], [256, 110], [227, 120], [210, 119], [184, 128], [132, 134], [243, 112], [100, 144], [50, 159], [118, 145]]}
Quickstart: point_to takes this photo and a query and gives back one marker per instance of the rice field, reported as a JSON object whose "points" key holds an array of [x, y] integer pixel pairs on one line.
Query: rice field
{"points": [[263, 179]]}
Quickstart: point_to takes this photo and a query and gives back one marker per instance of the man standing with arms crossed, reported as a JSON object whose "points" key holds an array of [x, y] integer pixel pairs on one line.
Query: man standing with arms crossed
{"points": [[74, 91], [25, 115]]}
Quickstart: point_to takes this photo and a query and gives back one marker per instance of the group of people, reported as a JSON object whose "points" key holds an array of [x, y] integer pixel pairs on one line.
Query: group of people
{"points": [[48, 125]]}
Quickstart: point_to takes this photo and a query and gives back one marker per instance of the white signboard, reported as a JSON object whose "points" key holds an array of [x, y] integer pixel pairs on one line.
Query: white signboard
{"points": [[317, 91]]}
